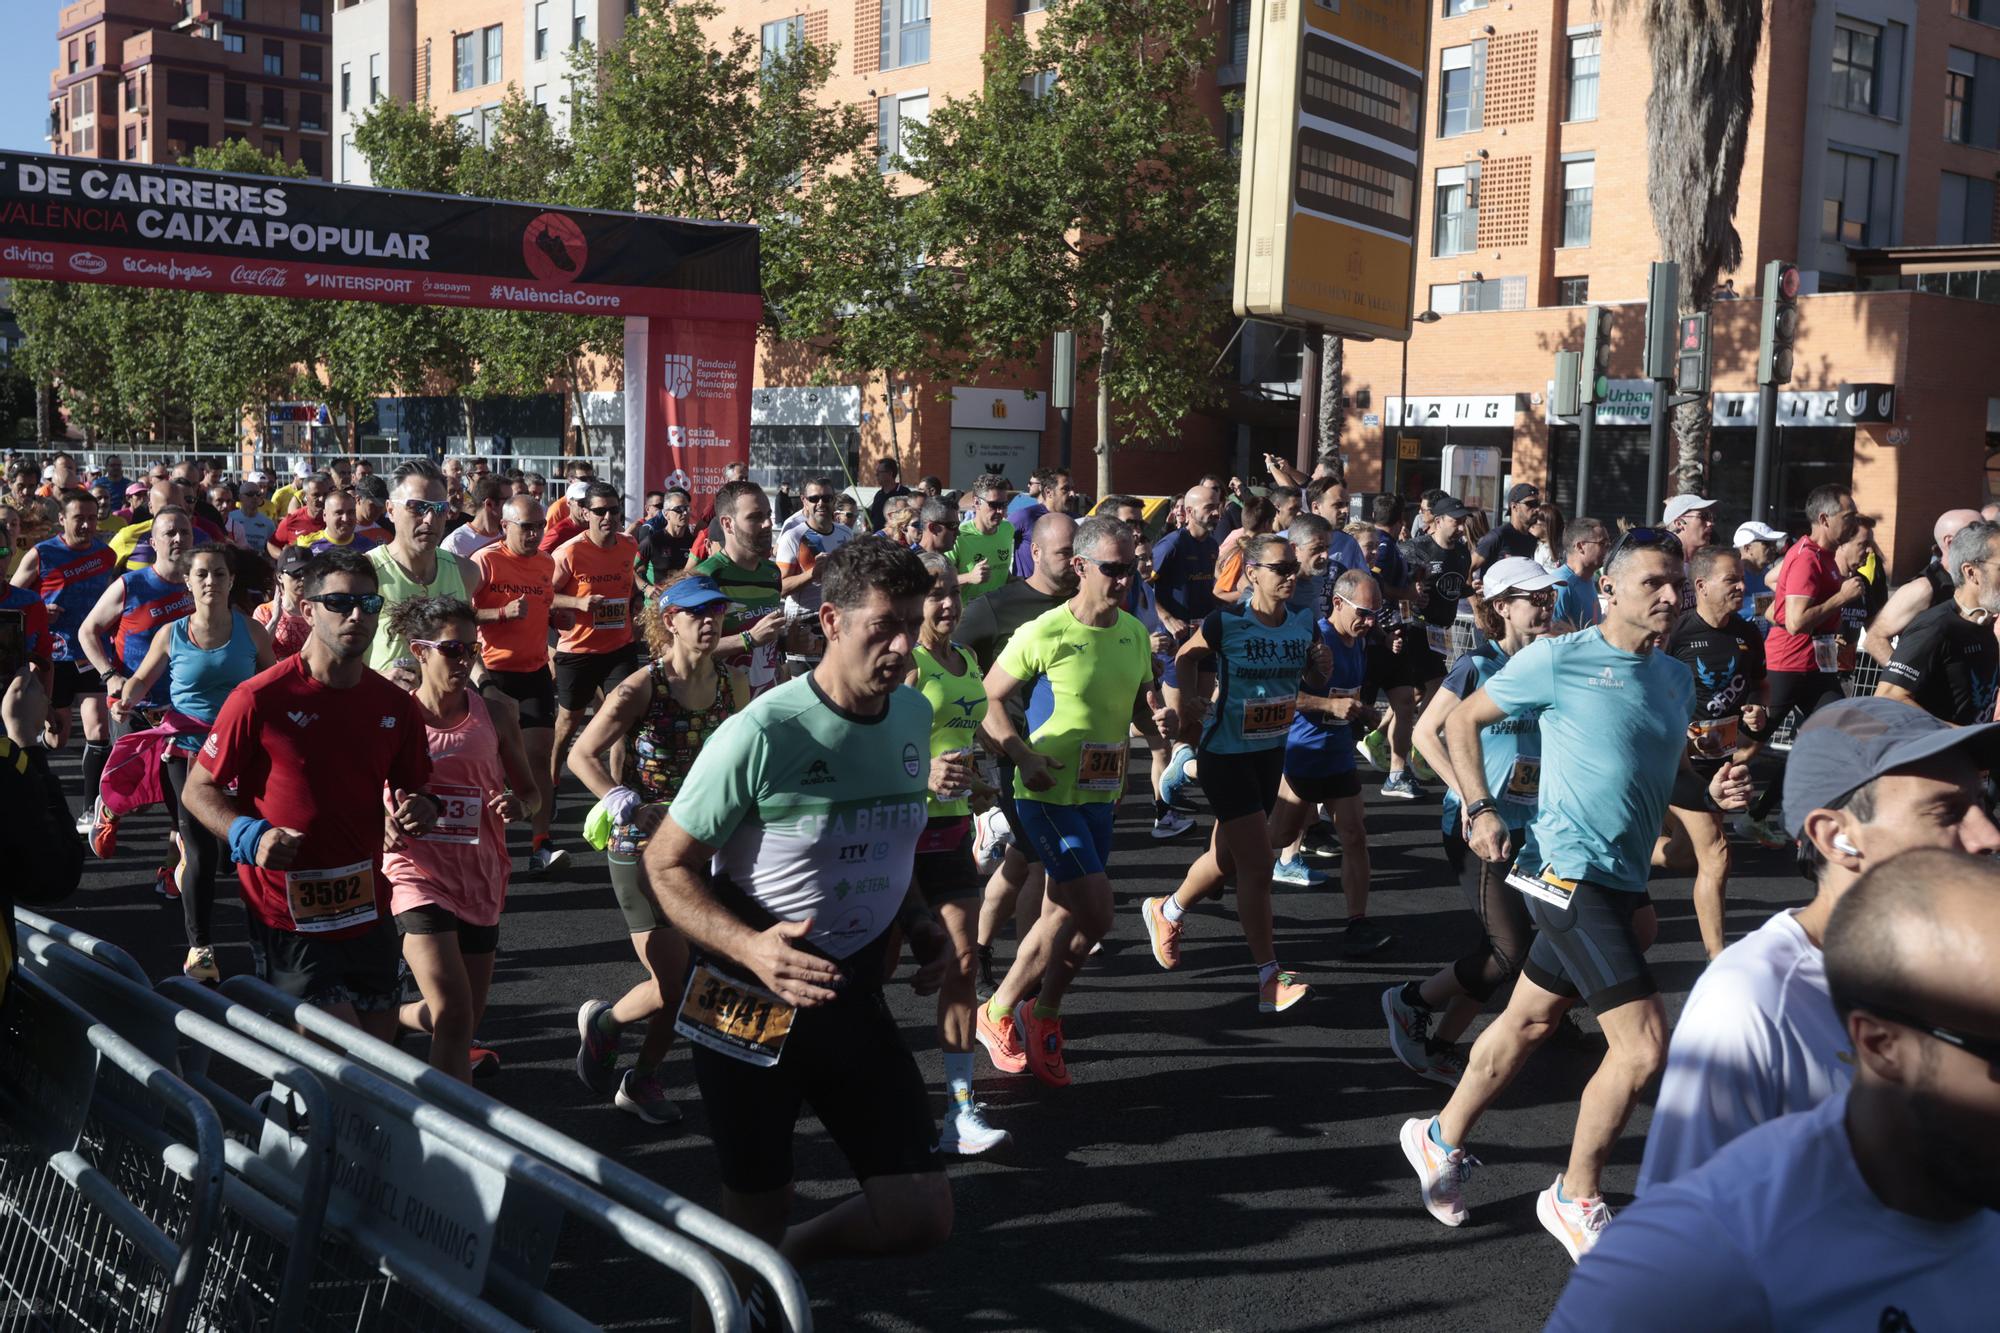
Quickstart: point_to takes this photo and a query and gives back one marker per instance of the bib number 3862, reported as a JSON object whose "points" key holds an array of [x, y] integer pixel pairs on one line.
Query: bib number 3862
{"points": [[734, 1018]]}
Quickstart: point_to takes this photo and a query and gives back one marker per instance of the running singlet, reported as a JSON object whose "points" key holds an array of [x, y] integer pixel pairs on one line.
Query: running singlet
{"points": [[1257, 670], [813, 812], [665, 744], [151, 603], [1511, 748], [279, 736], [461, 865], [73, 578], [1318, 746], [397, 586], [958, 706], [523, 644], [1082, 682], [996, 549], [199, 679], [1613, 727], [585, 569], [36, 640], [289, 632], [752, 593]]}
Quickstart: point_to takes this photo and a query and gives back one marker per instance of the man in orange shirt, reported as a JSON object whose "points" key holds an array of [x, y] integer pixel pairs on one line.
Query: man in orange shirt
{"points": [[517, 588], [594, 581]]}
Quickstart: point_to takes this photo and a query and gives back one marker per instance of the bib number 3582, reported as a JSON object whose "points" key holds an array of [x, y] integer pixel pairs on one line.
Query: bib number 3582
{"points": [[334, 899], [733, 1018]]}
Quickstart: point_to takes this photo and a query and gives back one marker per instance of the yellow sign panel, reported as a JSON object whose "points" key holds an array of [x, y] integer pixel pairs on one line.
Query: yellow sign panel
{"points": [[1409, 446], [1333, 123]]}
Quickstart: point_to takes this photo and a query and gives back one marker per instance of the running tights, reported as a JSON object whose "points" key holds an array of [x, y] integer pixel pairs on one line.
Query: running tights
{"points": [[201, 854], [1505, 930]]}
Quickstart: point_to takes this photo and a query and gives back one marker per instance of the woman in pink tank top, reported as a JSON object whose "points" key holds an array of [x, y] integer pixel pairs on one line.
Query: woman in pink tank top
{"points": [[448, 886]]}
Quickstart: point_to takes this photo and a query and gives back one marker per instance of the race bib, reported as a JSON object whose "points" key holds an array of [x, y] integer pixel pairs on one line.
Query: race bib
{"points": [[733, 1018], [1439, 638], [1101, 767], [459, 813], [1548, 886], [609, 613], [1712, 737], [1832, 653], [1524, 780], [334, 899], [1268, 719]]}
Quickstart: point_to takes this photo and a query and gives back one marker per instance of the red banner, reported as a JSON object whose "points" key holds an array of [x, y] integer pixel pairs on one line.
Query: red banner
{"points": [[692, 377]]}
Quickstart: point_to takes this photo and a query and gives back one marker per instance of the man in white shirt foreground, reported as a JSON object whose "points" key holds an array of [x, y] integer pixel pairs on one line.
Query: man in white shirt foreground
{"points": [[1876, 1209], [1868, 778]]}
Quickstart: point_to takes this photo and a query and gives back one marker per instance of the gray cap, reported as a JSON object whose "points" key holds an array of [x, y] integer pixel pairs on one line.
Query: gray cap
{"points": [[1847, 745]]}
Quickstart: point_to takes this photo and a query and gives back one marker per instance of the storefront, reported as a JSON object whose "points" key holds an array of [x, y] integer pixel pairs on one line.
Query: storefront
{"points": [[804, 432], [1420, 429]]}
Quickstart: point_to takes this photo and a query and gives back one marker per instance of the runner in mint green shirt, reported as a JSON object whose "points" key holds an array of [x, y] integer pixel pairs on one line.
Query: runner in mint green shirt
{"points": [[1089, 668]]}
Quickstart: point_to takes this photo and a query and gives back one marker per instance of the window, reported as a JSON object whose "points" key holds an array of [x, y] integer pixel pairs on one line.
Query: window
{"points": [[347, 157], [893, 118], [1457, 227], [1979, 11], [375, 79], [311, 158], [1572, 291], [541, 29], [906, 33], [1961, 68], [1039, 84], [274, 59], [1453, 8], [312, 63], [83, 98], [236, 102], [73, 60], [232, 42], [540, 97], [90, 51], [274, 106], [312, 115], [780, 37], [1461, 89], [186, 88], [131, 143], [579, 31], [1844, 197], [1583, 53], [489, 123], [1030, 6], [311, 19], [1579, 183], [465, 61], [274, 145], [1236, 40], [1965, 210], [131, 94], [1855, 46], [1445, 298], [494, 56], [232, 9], [346, 85]]}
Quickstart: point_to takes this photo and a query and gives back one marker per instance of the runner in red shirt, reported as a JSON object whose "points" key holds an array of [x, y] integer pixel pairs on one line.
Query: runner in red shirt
{"points": [[308, 848], [310, 516]]}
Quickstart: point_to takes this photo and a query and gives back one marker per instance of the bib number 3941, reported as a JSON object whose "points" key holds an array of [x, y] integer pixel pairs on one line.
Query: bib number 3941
{"points": [[335, 899], [1101, 767], [733, 1018]]}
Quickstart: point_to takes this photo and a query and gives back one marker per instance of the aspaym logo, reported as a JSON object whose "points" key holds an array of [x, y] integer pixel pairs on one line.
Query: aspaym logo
{"points": [[677, 374], [554, 248]]}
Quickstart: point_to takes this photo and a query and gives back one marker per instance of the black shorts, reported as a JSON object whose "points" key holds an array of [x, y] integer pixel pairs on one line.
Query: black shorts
{"points": [[1589, 948], [1329, 787], [73, 681], [533, 693], [947, 874], [847, 1061], [430, 919], [579, 676], [359, 971], [1417, 665], [1240, 784]]}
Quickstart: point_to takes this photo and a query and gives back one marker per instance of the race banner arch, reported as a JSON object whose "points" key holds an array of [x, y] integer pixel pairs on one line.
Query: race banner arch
{"points": [[689, 291]]}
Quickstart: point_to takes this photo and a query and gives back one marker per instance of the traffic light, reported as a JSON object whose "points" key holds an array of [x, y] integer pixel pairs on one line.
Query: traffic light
{"points": [[1780, 324], [1693, 369], [1595, 379], [1663, 308], [1565, 399]]}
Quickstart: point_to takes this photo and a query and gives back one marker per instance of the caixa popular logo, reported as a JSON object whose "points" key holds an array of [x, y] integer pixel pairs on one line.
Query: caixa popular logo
{"points": [[677, 374], [28, 254], [83, 261], [269, 275]]}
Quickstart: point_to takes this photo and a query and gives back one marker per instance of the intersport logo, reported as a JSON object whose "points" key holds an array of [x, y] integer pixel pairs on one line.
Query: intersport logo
{"points": [[271, 275], [85, 262]]}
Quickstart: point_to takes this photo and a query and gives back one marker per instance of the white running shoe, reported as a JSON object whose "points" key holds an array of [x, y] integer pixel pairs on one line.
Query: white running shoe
{"points": [[991, 837], [966, 1133], [1172, 824], [1440, 1175], [1577, 1223]]}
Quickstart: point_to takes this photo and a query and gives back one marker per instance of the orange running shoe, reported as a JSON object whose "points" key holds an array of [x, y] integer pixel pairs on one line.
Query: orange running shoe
{"points": [[1043, 1039], [1165, 934], [1280, 993], [1002, 1040], [104, 834]]}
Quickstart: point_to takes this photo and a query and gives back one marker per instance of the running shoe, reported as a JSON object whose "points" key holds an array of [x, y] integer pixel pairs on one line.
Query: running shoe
{"points": [[1440, 1175], [1175, 781], [1764, 832], [1362, 938], [485, 1061], [991, 837], [1172, 824], [1402, 786], [1280, 993], [1374, 747], [1421, 767], [966, 1133], [642, 1095], [166, 883], [1165, 934], [1320, 842], [596, 1054], [1577, 1223], [1042, 1039], [548, 857], [200, 966], [1444, 1063], [103, 833], [1409, 1027], [86, 823], [1293, 871], [1002, 1040]]}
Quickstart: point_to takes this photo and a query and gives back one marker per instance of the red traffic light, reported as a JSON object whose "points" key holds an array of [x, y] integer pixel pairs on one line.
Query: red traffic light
{"points": [[1788, 282]]}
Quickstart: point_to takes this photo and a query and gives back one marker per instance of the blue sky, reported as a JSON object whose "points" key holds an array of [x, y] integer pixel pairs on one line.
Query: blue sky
{"points": [[27, 54]]}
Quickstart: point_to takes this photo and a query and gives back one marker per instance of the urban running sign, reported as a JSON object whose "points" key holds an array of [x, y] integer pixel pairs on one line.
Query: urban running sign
{"points": [[72, 219]]}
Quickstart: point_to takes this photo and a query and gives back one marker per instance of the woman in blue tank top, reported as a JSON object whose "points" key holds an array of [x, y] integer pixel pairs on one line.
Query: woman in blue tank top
{"points": [[204, 655]]}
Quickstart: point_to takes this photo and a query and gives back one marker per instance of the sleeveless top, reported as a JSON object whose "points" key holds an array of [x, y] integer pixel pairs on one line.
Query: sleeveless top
{"points": [[151, 603], [200, 679], [462, 864], [397, 586], [958, 706], [73, 578], [665, 743]]}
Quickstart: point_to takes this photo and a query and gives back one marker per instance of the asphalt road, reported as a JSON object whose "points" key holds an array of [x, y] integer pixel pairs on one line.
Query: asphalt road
{"points": [[1211, 1168]]}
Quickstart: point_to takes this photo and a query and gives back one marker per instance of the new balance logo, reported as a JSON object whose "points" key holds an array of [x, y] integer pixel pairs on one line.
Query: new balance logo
{"points": [[302, 720], [388, 724], [817, 774]]}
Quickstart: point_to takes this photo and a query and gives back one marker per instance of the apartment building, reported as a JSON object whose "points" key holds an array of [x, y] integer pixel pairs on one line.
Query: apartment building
{"points": [[1872, 156], [148, 80]]}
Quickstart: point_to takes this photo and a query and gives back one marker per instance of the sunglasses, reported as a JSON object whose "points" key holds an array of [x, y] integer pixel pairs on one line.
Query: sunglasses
{"points": [[527, 527], [818, 499], [434, 508], [1366, 615], [675, 509], [1982, 1048], [452, 650], [347, 603], [1113, 569], [602, 511], [1544, 598], [1284, 569], [1645, 539]]}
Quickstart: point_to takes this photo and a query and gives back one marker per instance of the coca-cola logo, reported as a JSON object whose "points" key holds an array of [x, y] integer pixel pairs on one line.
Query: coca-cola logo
{"points": [[85, 262], [271, 275]]}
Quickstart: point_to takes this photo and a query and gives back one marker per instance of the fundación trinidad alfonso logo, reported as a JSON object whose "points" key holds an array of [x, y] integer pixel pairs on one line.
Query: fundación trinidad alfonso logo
{"points": [[554, 248], [677, 374]]}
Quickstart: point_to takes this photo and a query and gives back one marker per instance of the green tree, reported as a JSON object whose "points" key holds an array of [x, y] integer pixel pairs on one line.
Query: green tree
{"points": [[1103, 201]]}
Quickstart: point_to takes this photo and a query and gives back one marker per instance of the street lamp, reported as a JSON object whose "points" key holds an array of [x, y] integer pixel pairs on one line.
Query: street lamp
{"points": [[1403, 400]]}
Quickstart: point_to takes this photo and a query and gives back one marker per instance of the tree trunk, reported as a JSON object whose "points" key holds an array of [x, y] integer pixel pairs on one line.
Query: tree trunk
{"points": [[889, 410], [44, 415], [1104, 410], [1332, 404]]}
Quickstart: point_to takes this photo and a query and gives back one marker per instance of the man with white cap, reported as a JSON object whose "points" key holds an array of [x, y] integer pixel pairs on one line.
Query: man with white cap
{"points": [[1758, 1037], [1759, 545], [1687, 517], [1931, 588], [566, 519]]}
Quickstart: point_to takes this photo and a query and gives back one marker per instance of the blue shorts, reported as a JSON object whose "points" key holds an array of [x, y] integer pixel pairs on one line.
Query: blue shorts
{"points": [[1071, 841]]}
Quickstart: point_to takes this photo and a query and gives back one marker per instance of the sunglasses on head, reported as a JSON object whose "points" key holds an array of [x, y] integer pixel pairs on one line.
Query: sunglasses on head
{"points": [[1645, 539], [1284, 569], [452, 650], [347, 603], [1114, 569], [434, 508]]}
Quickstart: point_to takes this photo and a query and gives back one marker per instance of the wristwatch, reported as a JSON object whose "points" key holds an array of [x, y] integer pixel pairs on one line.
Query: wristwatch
{"points": [[1483, 806]]}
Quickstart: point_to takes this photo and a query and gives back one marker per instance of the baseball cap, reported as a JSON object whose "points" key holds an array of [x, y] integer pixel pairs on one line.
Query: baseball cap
{"points": [[1522, 490], [1757, 532], [301, 469], [1846, 745], [1679, 506], [1516, 573], [693, 593], [259, 477], [1449, 507], [578, 492], [137, 488], [293, 559]]}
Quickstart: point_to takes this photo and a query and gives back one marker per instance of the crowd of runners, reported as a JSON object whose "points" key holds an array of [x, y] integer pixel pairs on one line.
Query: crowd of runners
{"points": [[830, 744]]}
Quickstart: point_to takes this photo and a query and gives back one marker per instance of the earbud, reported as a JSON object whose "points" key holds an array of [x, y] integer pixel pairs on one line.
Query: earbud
{"points": [[1841, 844]]}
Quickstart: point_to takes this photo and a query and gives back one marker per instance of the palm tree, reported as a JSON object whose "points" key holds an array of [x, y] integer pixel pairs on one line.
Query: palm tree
{"points": [[1332, 372], [1704, 55]]}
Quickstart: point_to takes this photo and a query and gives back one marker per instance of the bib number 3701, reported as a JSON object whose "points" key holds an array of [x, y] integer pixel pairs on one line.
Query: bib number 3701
{"points": [[733, 1018], [1101, 767]]}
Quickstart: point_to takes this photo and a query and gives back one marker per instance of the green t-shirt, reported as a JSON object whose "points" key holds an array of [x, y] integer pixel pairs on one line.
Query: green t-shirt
{"points": [[814, 812], [958, 706], [752, 593], [998, 550], [397, 586], [1081, 683]]}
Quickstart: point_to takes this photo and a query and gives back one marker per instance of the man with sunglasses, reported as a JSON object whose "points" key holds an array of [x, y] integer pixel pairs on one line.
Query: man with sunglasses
{"points": [[664, 542], [308, 848], [985, 548], [517, 588], [1947, 661], [1613, 714], [1880, 1207], [411, 565], [594, 583], [798, 550]]}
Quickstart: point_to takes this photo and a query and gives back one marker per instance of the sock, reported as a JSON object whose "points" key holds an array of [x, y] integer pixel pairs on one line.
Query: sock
{"points": [[996, 1010], [1413, 995], [540, 838], [986, 953], [1265, 971], [1171, 908], [958, 1078], [1438, 1139], [1560, 1196], [1045, 1011], [606, 1025], [1160, 808], [94, 755]]}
